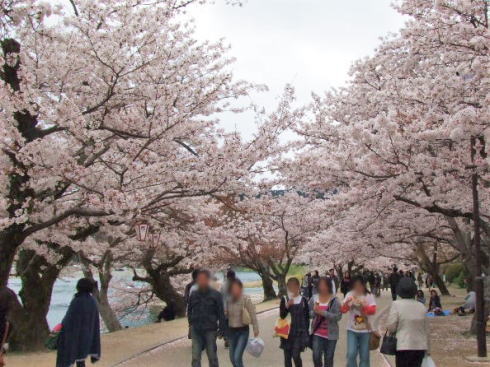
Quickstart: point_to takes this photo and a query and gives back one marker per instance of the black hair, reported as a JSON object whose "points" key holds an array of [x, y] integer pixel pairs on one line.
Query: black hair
{"points": [[420, 292], [433, 290], [327, 282], [85, 285], [406, 289], [293, 280], [361, 280], [195, 272], [205, 272], [316, 272], [233, 282], [230, 274]]}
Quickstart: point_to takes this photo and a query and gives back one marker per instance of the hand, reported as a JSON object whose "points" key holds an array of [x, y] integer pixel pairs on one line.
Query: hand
{"points": [[256, 334], [290, 303], [349, 300]]}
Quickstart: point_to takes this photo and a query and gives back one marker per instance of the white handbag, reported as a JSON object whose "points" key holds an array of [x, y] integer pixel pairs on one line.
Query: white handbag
{"points": [[428, 362]]}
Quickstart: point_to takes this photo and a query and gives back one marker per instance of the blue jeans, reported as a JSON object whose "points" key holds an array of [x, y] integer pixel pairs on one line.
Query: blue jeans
{"points": [[204, 340], [238, 338], [325, 348], [358, 344]]}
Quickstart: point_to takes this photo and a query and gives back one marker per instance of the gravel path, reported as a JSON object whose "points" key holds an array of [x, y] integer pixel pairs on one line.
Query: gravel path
{"points": [[178, 353]]}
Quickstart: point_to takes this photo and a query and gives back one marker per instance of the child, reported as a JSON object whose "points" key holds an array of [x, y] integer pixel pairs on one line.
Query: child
{"points": [[360, 304], [297, 307]]}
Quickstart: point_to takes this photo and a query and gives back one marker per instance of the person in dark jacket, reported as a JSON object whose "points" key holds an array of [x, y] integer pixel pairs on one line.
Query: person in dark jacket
{"points": [[80, 332], [346, 284], [207, 319], [297, 307], [394, 279], [335, 279], [188, 287], [7, 298]]}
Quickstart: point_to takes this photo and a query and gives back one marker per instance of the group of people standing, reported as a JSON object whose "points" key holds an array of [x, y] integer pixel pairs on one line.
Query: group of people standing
{"points": [[315, 322], [211, 314]]}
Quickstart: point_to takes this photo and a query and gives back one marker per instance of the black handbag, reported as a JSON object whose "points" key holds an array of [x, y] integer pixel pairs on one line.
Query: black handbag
{"points": [[388, 346]]}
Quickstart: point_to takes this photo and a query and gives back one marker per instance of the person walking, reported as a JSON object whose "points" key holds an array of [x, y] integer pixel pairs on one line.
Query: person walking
{"points": [[335, 280], [241, 314], [394, 279], [314, 282], [298, 339], [7, 298], [225, 288], [80, 329], [325, 313], [346, 284], [420, 280], [207, 319], [360, 304], [408, 321]]}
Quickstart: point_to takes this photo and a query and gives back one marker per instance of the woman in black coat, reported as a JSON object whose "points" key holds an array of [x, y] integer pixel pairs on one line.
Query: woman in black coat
{"points": [[7, 297], [80, 332]]}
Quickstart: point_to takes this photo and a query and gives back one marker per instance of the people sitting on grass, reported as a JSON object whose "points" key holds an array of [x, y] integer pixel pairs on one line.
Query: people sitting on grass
{"points": [[469, 305], [435, 305], [420, 296]]}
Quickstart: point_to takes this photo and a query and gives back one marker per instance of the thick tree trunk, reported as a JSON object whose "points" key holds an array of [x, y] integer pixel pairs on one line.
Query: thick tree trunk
{"points": [[165, 291], [268, 285], [38, 278]]}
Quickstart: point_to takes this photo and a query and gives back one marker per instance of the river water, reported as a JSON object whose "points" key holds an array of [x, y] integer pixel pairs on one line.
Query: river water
{"points": [[64, 289]]}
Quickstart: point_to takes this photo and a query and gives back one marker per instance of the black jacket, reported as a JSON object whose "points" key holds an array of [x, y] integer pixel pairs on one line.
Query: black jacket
{"points": [[80, 333], [206, 311]]}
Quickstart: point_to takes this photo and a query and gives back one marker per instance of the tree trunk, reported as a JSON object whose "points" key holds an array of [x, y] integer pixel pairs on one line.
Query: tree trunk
{"points": [[440, 284], [268, 285], [38, 278], [281, 284], [101, 294], [165, 291]]}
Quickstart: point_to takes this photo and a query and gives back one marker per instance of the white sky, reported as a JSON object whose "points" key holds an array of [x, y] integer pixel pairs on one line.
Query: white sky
{"points": [[307, 43]]}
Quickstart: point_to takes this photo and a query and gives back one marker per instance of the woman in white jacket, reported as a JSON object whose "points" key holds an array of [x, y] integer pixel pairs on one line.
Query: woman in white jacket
{"points": [[409, 322]]}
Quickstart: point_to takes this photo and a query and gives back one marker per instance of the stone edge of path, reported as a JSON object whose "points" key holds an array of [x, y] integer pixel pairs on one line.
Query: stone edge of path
{"points": [[168, 342]]}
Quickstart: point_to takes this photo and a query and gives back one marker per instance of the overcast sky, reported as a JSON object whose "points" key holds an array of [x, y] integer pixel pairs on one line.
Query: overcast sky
{"points": [[308, 43]]}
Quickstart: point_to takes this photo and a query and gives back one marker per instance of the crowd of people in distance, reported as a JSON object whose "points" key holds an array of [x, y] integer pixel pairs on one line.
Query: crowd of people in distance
{"points": [[311, 306]]}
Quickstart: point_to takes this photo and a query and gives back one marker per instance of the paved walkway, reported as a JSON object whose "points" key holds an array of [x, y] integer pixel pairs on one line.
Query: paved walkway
{"points": [[178, 353]]}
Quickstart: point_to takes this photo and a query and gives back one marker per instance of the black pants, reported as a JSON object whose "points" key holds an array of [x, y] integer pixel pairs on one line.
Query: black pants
{"points": [[291, 355], [409, 358], [393, 293]]}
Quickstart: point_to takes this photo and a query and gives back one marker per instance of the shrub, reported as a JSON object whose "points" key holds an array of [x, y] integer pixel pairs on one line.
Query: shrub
{"points": [[453, 272]]}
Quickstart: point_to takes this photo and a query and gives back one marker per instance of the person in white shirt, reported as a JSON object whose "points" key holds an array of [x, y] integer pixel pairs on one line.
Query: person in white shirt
{"points": [[360, 304], [408, 321]]}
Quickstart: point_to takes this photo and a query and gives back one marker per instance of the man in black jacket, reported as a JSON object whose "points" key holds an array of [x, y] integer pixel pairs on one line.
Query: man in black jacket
{"points": [[207, 319], [394, 279]]}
